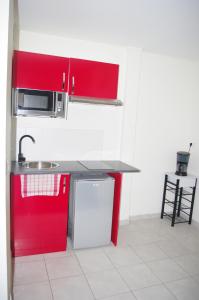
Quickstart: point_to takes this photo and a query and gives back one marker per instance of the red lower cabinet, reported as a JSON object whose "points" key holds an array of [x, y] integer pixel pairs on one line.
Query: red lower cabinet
{"points": [[39, 223], [116, 206]]}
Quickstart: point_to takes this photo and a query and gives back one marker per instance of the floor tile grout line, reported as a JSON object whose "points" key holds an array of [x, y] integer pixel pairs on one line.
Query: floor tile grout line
{"points": [[161, 282], [182, 266], [85, 276], [171, 292], [118, 294], [113, 268], [28, 261], [193, 277], [117, 270], [49, 280], [145, 262], [164, 282], [134, 295], [124, 265], [30, 283]]}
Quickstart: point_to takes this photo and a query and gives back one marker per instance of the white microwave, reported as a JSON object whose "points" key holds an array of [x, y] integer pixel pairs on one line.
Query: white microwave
{"points": [[27, 102]]}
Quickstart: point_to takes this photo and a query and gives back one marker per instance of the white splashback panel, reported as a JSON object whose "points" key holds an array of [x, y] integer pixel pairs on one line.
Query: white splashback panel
{"points": [[88, 133]]}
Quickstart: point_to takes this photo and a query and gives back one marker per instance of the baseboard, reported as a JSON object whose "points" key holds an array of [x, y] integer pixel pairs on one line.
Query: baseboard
{"points": [[124, 222], [149, 216], [140, 217], [146, 216], [195, 223]]}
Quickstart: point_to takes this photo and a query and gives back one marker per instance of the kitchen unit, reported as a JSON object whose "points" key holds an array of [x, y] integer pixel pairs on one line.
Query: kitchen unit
{"points": [[39, 220]]}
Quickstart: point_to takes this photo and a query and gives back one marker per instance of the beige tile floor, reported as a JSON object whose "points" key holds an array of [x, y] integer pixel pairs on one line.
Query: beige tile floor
{"points": [[153, 261]]}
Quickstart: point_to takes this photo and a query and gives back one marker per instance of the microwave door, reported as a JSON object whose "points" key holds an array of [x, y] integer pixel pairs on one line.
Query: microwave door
{"points": [[38, 103]]}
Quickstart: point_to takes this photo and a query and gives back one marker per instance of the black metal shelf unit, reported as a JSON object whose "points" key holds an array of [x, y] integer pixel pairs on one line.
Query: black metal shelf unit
{"points": [[181, 204]]}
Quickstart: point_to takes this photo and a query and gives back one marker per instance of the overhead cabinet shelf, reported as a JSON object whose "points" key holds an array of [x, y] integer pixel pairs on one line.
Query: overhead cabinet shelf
{"points": [[94, 101], [85, 81]]}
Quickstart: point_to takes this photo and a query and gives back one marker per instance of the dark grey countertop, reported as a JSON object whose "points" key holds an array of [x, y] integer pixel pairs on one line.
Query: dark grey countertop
{"points": [[74, 167]]}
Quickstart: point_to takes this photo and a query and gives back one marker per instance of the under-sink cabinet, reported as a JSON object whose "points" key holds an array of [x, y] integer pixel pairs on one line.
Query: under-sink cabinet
{"points": [[38, 223]]}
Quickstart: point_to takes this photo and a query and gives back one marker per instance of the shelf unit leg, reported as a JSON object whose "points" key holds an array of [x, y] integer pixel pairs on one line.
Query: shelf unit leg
{"points": [[175, 203], [180, 200], [164, 195], [192, 202]]}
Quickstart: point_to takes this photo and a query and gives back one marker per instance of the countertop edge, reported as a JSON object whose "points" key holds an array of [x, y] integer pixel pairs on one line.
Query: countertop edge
{"points": [[74, 167]]}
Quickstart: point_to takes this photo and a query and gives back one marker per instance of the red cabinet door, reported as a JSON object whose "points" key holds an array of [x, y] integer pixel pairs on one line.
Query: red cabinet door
{"points": [[38, 223], [93, 79], [40, 71]]}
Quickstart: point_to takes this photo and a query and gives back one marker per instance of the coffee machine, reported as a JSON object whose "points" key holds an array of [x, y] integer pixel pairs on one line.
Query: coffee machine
{"points": [[182, 162]]}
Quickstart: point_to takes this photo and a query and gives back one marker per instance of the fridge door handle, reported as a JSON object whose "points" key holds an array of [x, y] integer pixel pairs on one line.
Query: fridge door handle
{"points": [[64, 185]]}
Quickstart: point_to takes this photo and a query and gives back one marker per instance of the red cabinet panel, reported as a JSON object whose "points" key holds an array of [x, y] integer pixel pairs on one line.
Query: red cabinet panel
{"points": [[93, 79], [40, 71], [39, 223], [116, 206]]}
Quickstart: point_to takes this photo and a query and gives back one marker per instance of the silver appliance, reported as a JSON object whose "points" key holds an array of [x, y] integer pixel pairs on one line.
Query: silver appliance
{"points": [[90, 210], [27, 102]]}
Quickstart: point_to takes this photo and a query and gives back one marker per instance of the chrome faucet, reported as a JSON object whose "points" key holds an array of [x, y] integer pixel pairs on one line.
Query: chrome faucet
{"points": [[21, 158]]}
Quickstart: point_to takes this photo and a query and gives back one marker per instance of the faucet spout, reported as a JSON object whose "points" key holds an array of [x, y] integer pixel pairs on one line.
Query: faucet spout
{"points": [[21, 158]]}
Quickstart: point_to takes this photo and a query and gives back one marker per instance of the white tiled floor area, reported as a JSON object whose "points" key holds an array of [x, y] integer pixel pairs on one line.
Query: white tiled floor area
{"points": [[153, 261]]}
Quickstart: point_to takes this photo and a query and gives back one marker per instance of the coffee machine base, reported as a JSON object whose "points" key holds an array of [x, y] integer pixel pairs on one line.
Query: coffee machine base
{"points": [[181, 173]]}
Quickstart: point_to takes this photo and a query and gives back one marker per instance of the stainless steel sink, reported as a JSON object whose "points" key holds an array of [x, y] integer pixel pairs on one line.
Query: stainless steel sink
{"points": [[40, 165]]}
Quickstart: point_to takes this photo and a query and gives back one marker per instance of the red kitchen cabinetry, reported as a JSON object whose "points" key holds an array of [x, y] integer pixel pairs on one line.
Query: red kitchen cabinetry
{"points": [[48, 72], [116, 206], [93, 79], [38, 223], [40, 71]]}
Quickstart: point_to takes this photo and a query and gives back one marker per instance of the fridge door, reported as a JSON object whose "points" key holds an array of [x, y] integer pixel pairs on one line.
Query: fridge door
{"points": [[92, 211]]}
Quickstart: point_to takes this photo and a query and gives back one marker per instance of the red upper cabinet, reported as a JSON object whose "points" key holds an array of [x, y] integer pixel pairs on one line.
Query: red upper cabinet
{"points": [[93, 79], [40, 71]]}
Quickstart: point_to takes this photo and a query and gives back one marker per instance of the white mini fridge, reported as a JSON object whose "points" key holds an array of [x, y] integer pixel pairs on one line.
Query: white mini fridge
{"points": [[90, 210]]}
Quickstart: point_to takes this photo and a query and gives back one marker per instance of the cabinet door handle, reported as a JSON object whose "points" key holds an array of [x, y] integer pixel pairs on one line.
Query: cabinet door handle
{"points": [[73, 84], [63, 80], [64, 185]]}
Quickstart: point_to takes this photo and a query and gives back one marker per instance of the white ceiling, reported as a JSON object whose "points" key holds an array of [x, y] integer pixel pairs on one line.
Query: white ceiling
{"points": [[168, 27]]}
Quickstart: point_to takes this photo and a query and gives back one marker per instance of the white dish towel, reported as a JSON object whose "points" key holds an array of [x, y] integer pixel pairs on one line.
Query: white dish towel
{"points": [[40, 185]]}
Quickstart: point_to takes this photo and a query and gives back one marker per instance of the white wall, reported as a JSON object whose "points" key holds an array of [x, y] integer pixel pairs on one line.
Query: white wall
{"points": [[159, 117], [6, 37], [133, 70], [167, 121]]}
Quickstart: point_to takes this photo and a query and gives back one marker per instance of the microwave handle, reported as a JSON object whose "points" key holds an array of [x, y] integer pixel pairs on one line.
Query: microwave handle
{"points": [[15, 100], [63, 80]]}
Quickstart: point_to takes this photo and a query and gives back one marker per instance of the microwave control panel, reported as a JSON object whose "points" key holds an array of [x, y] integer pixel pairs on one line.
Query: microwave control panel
{"points": [[61, 105]]}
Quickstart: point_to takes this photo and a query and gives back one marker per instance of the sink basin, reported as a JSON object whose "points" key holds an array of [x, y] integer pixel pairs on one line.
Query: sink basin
{"points": [[40, 165]]}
